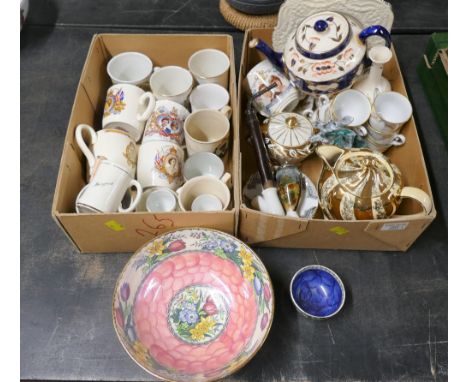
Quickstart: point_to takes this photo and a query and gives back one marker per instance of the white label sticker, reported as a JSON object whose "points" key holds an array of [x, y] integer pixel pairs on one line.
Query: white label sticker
{"points": [[394, 226]]}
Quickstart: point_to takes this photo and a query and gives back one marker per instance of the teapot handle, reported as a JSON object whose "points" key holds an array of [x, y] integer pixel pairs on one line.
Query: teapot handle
{"points": [[376, 30], [420, 196]]}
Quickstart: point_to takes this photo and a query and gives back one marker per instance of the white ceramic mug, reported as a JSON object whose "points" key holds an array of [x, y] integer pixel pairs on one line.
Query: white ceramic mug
{"points": [[130, 68], [112, 144], [283, 97], [351, 103], [127, 107], [390, 111], [208, 131], [210, 66], [210, 96], [161, 200], [206, 202], [160, 164], [203, 185], [166, 122], [203, 163], [172, 83], [106, 190]]}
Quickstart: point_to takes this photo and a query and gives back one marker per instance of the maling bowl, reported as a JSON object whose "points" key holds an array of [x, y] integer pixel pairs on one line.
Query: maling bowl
{"points": [[193, 305]]}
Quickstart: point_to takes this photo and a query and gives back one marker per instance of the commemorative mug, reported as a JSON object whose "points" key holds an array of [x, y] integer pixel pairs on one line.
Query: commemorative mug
{"points": [[130, 68], [210, 96], [127, 107], [172, 83], [207, 131], [112, 144], [202, 185], [106, 189], [160, 164], [283, 97], [210, 66], [166, 122], [390, 111]]}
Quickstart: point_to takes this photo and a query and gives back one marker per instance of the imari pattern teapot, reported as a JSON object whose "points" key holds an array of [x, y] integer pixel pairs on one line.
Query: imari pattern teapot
{"points": [[360, 184], [326, 53]]}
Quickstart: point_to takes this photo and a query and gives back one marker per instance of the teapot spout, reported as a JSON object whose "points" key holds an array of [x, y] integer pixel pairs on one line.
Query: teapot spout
{"points": [[274, 57], [329, 154]]}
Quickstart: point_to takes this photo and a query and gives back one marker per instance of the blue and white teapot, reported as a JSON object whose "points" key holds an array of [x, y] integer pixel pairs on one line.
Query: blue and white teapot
{"points": [[325, 54]]}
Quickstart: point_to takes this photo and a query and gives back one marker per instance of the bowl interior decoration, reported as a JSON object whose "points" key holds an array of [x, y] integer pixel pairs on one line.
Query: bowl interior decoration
{"points": [[317, 292], [193, 305]]}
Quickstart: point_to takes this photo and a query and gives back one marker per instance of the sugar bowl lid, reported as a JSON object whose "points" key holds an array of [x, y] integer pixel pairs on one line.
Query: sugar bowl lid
{"points": [[323, 35], [289, 129]]}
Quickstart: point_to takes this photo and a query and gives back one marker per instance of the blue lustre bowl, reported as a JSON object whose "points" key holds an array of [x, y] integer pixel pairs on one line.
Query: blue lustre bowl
{"points": [[317, 292]]}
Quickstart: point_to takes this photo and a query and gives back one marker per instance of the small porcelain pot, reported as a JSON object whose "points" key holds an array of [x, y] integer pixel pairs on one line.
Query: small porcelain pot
{"points": [[106, 190], [284, 97], [390, 111], [207, 131], [172, 83], [206, 202], [203, 163], [166, 123], [210, 66], [202, 185], [112, 144], [287, 138], [127, 107], [351, 103], [210, 96], [130, 68], [160, 164]]}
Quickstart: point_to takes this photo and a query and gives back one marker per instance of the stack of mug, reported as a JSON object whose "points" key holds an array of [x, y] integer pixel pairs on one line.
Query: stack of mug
{"points": [[162, 121]]}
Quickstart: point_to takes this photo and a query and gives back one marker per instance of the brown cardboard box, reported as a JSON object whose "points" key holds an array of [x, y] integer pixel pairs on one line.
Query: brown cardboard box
{"points": [[125, 232], [397, 233]]}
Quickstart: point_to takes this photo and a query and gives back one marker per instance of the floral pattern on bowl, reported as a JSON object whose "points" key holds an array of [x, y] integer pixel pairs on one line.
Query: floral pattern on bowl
{"points": [[193, 304]]}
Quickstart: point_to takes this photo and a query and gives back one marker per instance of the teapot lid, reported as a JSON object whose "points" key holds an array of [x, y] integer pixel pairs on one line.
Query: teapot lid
{"points": [[364, 173], [323, 35], [290, 129]]}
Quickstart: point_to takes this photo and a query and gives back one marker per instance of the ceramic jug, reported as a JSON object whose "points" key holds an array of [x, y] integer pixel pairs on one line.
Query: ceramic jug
{"points": [[360, 184]]}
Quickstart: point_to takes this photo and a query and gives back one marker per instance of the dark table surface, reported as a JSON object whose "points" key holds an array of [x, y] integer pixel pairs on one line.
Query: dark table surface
{"points": [[394, 324]]}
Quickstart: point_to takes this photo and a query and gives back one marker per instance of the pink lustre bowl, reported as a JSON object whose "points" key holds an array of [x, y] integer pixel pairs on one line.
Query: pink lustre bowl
{"points": [[193, 305]]}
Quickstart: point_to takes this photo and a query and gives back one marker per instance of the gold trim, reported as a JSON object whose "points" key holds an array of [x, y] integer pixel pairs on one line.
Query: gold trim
{"points": [[246, 360]]}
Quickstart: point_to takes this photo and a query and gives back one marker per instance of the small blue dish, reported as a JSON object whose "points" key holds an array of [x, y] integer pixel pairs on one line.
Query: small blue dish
{"points": [[317, 292]]}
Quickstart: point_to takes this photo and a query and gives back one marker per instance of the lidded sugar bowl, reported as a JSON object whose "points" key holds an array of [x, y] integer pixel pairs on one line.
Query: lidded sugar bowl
{"points": [[287, 137], [325, 54], [361, 184]]}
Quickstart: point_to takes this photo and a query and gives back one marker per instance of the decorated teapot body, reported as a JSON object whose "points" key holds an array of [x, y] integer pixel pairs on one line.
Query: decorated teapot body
{"points": [[325, 54], [360, 184]]}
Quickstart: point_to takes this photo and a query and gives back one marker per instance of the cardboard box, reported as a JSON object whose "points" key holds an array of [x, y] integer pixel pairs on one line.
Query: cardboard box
{"points": [[395, 234], [126, 232]]}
